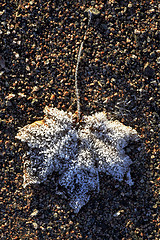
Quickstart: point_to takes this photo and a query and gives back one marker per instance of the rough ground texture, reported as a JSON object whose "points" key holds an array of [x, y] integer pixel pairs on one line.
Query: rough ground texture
{"points": [[119, 73]]}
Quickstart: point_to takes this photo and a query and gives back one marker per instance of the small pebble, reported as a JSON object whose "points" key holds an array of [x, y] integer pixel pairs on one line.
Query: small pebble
{"points": [[158, 60], [34, 213], [35, 225], [148, 70]]}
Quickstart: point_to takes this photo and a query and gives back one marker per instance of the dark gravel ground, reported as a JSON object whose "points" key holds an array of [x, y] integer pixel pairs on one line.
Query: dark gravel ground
{"points": [[119, 73]]}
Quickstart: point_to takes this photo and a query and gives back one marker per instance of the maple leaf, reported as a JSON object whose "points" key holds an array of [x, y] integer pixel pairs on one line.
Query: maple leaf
{"points": [[78, 155], [76, 150]]}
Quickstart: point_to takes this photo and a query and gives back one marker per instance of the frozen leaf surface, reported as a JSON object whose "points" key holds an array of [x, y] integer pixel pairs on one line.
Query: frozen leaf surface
{"points": [[76, 155]]}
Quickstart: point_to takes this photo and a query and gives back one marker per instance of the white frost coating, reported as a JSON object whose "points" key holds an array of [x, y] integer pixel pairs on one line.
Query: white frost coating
{"points": [[76, 155]]}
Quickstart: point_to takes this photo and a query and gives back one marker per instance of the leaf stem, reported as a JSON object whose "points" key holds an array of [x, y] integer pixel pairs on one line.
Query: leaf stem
{"points": [[78, 61]]}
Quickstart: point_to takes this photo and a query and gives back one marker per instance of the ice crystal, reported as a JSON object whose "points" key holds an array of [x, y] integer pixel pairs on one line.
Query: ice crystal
{"points": [[76, 155]]}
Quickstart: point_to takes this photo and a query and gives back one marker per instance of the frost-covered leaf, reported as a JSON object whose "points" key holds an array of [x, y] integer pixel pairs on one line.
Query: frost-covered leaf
{"points": [[76, 154]]}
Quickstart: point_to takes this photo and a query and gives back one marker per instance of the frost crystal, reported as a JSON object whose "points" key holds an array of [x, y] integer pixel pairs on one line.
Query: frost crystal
{"points": [[76, 155]]}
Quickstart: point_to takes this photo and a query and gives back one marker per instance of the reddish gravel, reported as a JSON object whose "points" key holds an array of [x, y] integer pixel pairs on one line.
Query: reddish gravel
{"points": [[118, 73]]}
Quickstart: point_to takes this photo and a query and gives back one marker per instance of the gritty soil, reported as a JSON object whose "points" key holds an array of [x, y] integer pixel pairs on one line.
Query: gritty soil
{"points": [[118, 73]]}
